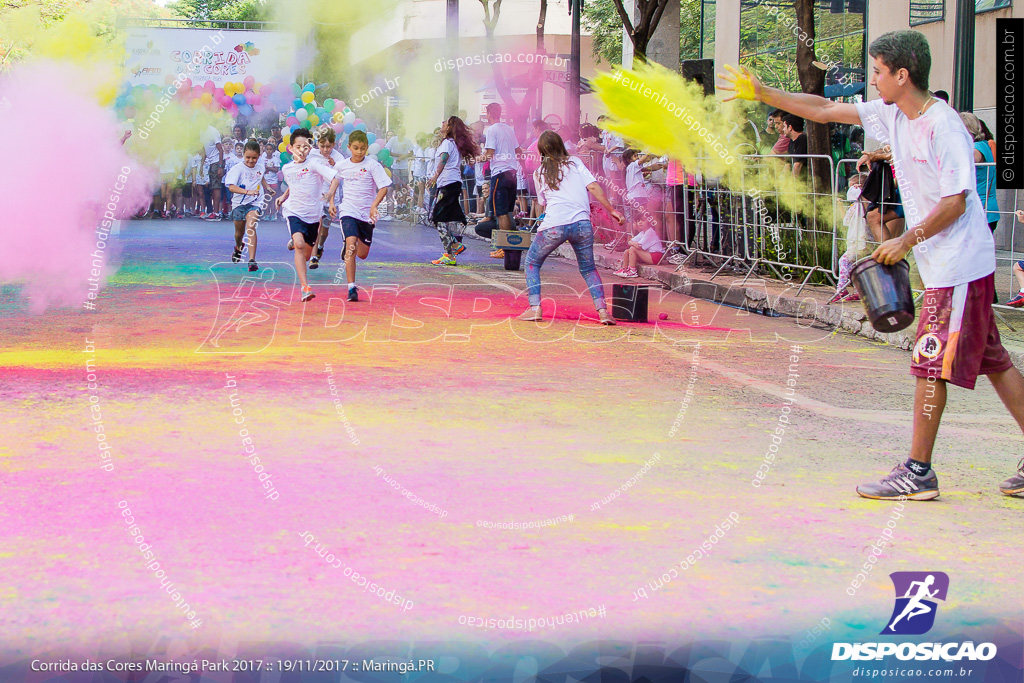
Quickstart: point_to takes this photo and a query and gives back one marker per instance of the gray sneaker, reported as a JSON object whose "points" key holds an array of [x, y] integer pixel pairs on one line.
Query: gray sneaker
{"points": [[902, 484], [1015, 484]]}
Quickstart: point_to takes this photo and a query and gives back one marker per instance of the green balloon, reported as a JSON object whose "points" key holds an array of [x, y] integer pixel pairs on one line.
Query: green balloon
{"points": [[329, 105], [310, 108], [305, 124]]}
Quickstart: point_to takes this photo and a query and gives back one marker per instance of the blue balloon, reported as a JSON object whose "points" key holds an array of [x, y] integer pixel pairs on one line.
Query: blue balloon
{"points": [[238, 99], [309, 88], [321, 112], [246, 109], [371, 137], [348, 128], [361, 126], [297, 104]]}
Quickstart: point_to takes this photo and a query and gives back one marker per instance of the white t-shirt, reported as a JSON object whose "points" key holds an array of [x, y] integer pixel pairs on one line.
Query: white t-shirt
{"points": [[570, 202], [338, 158], [649, 241], [418, 166], [636, 186], [273, 160], [399, 146], [502, 139], [613, 147], [305, 188], [520, 178], [210, 140], [201, 169], [362, 182], [230, 160], [452, 171], [933, 158], [247, 179]]}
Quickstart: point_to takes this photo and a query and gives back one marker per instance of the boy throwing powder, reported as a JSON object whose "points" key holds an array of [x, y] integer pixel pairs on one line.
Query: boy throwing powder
{"points": [[302, 202], [365, 185]]}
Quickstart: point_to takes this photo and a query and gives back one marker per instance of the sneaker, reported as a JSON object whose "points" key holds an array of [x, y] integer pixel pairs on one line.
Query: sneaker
{"points": [[1017, 301], [445, 260], [212, 217], [291, 245], [319, 253], [628, 272], [498, 253], [1015, 484], [236, 255], [307, 293], [314, 263], [606, 319], [353, 294], [253, 267], [459, 248], [903, 484], [532, 315], [852, 296]]}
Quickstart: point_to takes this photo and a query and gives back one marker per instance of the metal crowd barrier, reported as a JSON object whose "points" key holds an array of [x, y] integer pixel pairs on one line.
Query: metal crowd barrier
{"points": [[745, 227]]}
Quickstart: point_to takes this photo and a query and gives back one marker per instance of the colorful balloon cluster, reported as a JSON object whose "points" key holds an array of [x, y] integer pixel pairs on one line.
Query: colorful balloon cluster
{"points": [[244, 98], [307, 113]]}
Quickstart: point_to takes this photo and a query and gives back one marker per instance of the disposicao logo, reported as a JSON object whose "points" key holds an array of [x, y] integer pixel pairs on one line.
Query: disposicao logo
{"points": [[914, 615]]}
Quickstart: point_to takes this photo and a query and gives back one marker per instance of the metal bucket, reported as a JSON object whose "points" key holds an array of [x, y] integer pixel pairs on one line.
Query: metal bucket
{"points": [[886, 293]]}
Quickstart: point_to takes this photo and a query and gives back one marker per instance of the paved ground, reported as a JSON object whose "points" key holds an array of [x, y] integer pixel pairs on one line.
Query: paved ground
{"points": [[485, 421]]}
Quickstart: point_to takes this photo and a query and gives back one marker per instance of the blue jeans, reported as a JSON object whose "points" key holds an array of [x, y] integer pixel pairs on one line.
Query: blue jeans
{"points": [[581, 236]]}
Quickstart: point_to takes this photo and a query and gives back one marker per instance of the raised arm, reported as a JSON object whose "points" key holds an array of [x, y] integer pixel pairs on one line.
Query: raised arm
{"points": [[747, 86]]}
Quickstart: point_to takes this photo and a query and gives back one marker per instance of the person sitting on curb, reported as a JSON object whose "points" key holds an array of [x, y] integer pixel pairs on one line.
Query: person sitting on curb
{"points": [[644, 248]]}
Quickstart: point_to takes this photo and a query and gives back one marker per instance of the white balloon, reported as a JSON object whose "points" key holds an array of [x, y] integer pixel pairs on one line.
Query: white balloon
{"points": [[374, 148], [349, 117], [301, 114]]}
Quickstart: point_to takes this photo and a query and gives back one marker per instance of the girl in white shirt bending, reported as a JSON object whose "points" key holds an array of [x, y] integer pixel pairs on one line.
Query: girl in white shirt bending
{"points": [[562, 184]]}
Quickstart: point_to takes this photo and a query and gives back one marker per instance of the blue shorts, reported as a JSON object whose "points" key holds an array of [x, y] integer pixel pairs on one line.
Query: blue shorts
{"points": [[353, 227], [240, 212], [308, 231]]}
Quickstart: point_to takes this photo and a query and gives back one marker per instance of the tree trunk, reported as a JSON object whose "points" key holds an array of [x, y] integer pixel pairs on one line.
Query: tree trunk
{"points": [[538, 104], [812, 81], [640, 35]]}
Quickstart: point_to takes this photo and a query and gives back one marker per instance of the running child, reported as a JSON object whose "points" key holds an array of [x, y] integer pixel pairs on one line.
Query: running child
{"points": [[245, 181], [325, 151], [457, 143], [366, 184], [303, 201]]}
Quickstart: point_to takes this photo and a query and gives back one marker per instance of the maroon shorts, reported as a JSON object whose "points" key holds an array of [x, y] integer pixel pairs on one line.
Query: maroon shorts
{"points": [[957, 339], [656, 257]]}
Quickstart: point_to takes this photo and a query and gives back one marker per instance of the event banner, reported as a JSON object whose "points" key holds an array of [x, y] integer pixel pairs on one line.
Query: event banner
{"points": [[156, 55]]}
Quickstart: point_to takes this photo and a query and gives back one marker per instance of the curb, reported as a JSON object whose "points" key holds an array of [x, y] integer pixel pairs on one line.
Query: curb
{"points": [[756, 299]]}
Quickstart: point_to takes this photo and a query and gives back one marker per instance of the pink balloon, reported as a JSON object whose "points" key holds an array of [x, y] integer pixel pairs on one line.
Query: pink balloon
{"points": [[338, 127], [254, 99], [248, 82], [357, 122], [208, 86], [292, 121], [197, 91], [258, 107]]}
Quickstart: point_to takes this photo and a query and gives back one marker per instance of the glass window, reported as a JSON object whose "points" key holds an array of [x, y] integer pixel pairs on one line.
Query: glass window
{"points": [[986, 5], [924, 11], [769, 35]]}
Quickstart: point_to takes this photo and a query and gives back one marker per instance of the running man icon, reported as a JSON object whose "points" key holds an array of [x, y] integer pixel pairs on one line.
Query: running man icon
{"points": [[246, 319], [915, 592]]}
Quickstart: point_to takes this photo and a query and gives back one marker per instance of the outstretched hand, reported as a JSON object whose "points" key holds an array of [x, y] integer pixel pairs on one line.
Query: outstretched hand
{"points": [[744, 84]]}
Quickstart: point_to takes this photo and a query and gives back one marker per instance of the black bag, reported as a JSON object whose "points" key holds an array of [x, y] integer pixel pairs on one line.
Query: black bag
{"points": [[880, 186]]}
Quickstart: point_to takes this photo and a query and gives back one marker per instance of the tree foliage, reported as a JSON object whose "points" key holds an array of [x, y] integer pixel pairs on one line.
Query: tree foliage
{"points": [[602, 20]]}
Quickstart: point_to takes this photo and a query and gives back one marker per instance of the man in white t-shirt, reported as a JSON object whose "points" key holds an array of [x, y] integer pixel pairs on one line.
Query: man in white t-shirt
{"points": [[401, 148], [501, 149], [933, 158], [215, 163]]}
